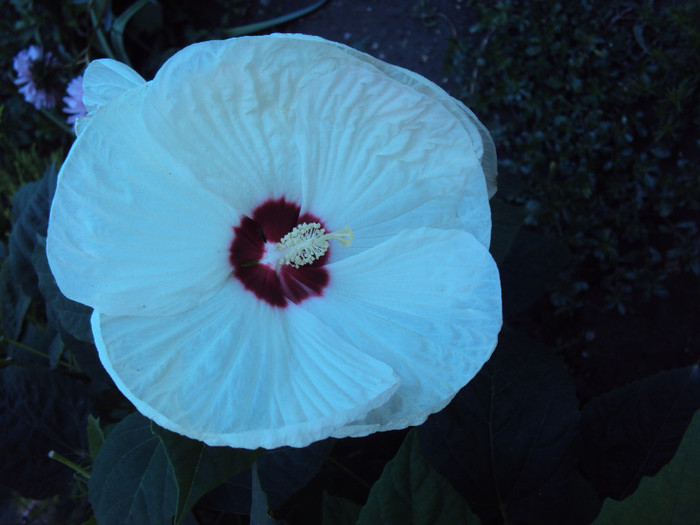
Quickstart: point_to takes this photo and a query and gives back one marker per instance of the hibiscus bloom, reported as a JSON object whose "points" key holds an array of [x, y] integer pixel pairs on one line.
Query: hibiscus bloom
{"points": [[74, 100], [35, 71], [283, 239]]}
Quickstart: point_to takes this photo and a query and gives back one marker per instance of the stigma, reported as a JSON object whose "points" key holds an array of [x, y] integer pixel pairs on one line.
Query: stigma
{"points": [[308, 242]]}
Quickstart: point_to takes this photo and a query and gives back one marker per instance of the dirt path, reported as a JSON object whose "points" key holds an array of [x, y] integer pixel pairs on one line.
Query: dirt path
{"points": [[410, 33]]}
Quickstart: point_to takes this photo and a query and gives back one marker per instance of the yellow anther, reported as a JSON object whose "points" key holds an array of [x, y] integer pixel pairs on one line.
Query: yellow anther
{"points": [[308, 242]]}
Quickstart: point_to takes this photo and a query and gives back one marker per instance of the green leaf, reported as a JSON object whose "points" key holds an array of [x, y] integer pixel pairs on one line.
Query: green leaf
{"points": [[506, 220], [259, 508], [508, 441], [33, 346], [13, 301], [635, 430], [282, 471], [40, 410], [98, 16], [199, 468], [131, 480], [55, 350], [533, 262], [117, 30], [410, 491], [95, 436], [285, 470], [84, 355], [339, 511], [669, 498], [99, 7], [30, 218], [72, 317]]}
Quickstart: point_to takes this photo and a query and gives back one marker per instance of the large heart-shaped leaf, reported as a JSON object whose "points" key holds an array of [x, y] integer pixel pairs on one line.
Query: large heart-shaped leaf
{"points": [[131, 481], [506, 220], [282, 472], [285, 470], [410, 491], [199, 468], [634, 430], [508, 441], [14, 303], [68, 315], [339, 511], [30, 218], [40, 411], [669, 498]]}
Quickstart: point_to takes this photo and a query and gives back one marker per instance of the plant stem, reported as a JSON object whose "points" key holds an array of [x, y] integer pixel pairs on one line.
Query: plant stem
{"points": [[67, 462]]}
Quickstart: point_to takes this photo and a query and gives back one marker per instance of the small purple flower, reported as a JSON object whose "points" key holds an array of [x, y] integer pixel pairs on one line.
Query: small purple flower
{"points": [[34, 68], [74, 101]]}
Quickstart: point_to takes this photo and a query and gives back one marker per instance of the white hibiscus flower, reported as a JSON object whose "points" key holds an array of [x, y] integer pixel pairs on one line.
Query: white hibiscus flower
{"points": [[283, 239]]}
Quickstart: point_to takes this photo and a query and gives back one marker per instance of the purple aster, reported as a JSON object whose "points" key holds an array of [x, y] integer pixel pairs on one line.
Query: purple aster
{"points": [[34, 68], [74, 101]]}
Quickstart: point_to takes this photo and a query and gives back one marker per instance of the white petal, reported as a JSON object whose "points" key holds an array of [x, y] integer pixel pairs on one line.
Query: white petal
{"points": [[104, 80], [481, 138], [237, 372], [226, 101], [130, 232], [381, 157], [427, 303], [273, 114], [486, 153], [80, 124]]}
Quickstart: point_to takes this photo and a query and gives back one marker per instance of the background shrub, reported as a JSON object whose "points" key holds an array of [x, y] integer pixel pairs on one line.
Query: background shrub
{"points": [[593, 107]]}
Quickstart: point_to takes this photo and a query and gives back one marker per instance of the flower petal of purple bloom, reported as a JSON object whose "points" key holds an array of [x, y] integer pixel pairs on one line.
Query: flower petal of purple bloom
{"points": [[74, 101], [24, 64]]}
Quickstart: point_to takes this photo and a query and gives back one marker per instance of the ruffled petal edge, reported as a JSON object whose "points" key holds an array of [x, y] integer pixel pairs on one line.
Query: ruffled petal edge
{"points": [[105, 79]]}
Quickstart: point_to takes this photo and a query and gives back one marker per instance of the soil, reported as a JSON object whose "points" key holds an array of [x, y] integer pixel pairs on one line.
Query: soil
{"points": [[603, 349], [413, 34]]}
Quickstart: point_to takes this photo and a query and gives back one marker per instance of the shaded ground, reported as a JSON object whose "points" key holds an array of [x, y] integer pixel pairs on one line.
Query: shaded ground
{"points": [[409, 33]]}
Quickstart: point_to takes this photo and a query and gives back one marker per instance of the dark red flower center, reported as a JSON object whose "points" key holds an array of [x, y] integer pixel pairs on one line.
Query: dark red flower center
{"points": [[255, 236]]}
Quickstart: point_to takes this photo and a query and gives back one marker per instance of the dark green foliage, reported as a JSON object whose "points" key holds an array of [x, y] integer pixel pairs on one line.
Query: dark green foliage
{"points": [[30, 218], [410, 491], [506, 222], [282, 472], [259, 508], [72, 317], [529, 270], [508, 441], [131, 481], [162, 474], [95, 436], [40, 411], [670, 497], [29, 140], [634, 430], [594, 108], [339, 511], [18, 166], [15, 303], [199, 468], [285, 470]]}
